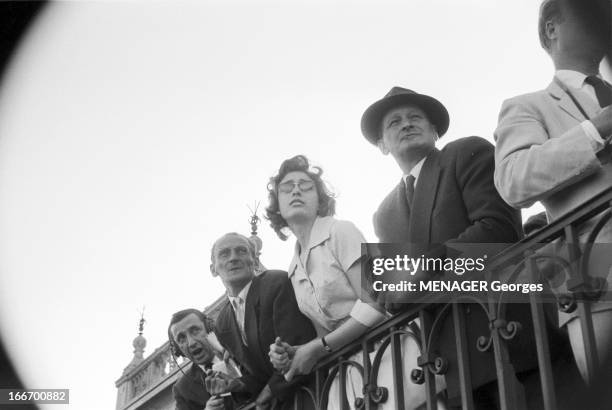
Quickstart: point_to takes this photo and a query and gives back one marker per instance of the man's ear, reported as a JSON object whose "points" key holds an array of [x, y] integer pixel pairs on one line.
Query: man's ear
{"points": [[382, 146], [213, 271], [550, 29]]}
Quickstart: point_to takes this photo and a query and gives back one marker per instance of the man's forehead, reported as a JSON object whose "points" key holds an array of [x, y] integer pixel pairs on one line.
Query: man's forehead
{"points": [[406, 108], [185, 323], [231, 240]]}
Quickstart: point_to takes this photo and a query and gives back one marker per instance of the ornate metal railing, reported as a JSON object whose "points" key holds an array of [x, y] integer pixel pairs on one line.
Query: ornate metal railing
{"points": [[396, 366], [364, 356]]}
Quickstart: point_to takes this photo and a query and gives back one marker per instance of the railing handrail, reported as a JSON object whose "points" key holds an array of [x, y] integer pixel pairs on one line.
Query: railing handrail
{"points": [[511, 254], [379, 330], [553, 230], [581, 213]]}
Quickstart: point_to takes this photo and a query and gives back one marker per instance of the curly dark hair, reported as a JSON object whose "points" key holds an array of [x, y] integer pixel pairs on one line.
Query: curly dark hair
{"points": [[327, 201]]}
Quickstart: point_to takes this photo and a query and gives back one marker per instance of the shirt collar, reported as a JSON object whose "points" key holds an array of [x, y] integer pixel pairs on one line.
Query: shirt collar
{"points": [[415, 171], [571, 78], [242, 295], [320, 231]]}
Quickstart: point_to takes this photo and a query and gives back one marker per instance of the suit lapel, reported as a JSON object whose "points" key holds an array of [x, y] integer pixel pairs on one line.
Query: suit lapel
{"points": [[568, 105], [197, 387], [229, 334], [397, 223], [424, 198], [251, 316]]}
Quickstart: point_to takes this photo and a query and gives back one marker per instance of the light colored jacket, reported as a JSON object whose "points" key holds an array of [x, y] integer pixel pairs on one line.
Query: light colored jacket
{"points": [[543, 154]]}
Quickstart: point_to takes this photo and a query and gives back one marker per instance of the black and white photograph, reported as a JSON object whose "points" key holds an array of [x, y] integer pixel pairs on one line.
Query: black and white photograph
{"points": [[196, 197]]}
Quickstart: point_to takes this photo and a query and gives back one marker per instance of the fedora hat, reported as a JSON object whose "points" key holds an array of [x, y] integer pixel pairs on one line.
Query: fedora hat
{"points": [[372, 117]]}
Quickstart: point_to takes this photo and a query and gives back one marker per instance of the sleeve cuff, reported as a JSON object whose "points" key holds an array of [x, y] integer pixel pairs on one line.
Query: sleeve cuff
{"points": [[589, 129], [366, 314]]}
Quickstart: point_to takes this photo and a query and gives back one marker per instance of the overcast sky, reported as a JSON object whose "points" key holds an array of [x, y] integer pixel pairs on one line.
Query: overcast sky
{"points": [[133, 134]]}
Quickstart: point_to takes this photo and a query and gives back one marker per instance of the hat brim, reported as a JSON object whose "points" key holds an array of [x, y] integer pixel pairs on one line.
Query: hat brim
{"points": [[372, 117]]}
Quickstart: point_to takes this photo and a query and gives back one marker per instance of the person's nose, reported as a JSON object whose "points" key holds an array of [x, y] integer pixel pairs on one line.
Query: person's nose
{"points": [[406, 123], [191, 341], [233, 255], [296, 190]]}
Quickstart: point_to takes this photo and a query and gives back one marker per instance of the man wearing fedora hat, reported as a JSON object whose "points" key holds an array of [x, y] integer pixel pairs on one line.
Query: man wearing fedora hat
{"points": [[445, 196], [455, 183]]}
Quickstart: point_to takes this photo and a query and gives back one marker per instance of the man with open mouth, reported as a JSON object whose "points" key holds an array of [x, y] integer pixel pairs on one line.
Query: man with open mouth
{"points": [[188, 334]]}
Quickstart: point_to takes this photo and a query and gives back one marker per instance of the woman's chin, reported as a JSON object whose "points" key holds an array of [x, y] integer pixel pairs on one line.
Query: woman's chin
{"points": [[299, 217]]}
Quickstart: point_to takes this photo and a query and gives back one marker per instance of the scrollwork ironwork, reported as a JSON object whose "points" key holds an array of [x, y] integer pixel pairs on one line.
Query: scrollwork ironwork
{"points": [[417, 376]]}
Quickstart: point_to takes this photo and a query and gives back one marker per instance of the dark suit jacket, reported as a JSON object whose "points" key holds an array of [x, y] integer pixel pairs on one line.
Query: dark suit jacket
{"points": [[189, 391], [455, 200], [270, 311]]}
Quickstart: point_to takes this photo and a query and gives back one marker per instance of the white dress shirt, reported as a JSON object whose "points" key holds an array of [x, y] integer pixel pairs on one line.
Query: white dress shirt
{"points": [[238, 303], [415, 171]]}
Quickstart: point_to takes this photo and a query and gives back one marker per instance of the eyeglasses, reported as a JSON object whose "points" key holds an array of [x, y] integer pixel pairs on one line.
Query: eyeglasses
{"points": [[303, 185]]}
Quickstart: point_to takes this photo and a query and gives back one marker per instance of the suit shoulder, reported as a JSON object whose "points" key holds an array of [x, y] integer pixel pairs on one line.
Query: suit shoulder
{"points": [[223, 312], [388, 198], [273, 277], [189, 392], [342, 227], [528, 96], [526, 100], [387, 205], [182, 385], [467, 145]]}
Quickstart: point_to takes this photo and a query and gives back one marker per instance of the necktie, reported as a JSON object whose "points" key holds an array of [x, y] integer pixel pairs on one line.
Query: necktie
{"points": [[410, 190], [239, 310], [603, 91]]}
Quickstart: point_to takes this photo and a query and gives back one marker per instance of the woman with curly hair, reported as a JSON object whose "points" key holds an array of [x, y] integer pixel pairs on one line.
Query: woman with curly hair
{"points": [[325, 270]]}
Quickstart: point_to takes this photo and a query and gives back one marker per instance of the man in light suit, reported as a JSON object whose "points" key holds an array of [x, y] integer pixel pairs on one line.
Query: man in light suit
{"points": [[445, 196], [257, 311], [552, 145]]}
